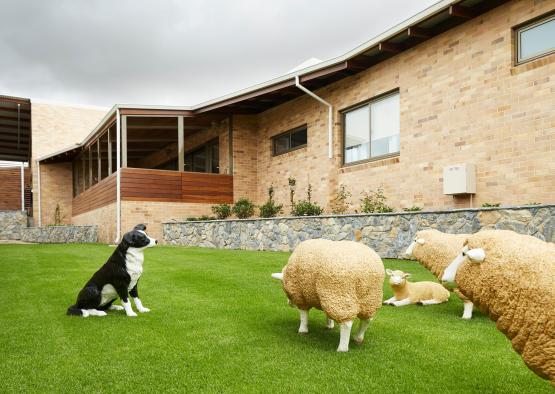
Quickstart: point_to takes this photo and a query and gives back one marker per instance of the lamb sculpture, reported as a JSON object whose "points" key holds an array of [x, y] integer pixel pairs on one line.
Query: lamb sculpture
{"points": [[511, 278], [342, 278], [406, 293], [435, 251]]}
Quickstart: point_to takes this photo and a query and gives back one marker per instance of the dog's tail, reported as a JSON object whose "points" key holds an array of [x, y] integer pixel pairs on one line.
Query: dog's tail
{"points": [[74, 311]]}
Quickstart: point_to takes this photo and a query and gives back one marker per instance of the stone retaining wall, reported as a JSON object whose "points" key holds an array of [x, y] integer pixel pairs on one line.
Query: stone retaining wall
{"points": [[11, 223], [60, 234], [388, 234]]}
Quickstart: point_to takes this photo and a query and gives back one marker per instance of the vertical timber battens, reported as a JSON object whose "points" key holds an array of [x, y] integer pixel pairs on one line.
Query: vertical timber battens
{"points": [[230, 144], [109, 153]]}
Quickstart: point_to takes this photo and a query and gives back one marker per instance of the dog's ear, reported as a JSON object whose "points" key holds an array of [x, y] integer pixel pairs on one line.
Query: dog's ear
{"points": [[141, 227], [128, 238]]}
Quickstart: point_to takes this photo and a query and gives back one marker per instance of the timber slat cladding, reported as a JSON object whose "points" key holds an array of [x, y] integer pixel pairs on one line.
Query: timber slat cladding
{"points": [[99, 195], [172, 186], [10, 188]]}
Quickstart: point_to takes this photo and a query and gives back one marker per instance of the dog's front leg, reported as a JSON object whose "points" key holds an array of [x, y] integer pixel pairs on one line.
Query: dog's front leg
{"points": [[122, 293], [135, 294]]}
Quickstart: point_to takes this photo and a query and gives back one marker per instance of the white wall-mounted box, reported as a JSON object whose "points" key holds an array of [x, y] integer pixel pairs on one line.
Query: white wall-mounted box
{"points": [[459, 179]]}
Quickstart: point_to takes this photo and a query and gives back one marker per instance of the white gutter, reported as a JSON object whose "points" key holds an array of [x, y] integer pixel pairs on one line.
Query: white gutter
{"points": [[38, 197], [22, 186], [330, 114], [118, 177]]}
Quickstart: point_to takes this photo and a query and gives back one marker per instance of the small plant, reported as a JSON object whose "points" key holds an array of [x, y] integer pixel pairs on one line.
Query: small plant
{"points": [[200, 218], [191, 219], [492, 205], [243, 208], [58, 218], [340, 203], [222, 211], [292, 185], [374, 202], [534, 203], [412, 209], [270, 209], [307, 207]]}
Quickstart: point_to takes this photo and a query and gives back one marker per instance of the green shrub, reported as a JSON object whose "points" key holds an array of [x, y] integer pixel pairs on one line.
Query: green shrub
{"points": [[374, 202], [307, 207], [292, 184], [492, 205], [222, 211], [243, 208], [270, 209], [340, 203], [412, 209], [200, 218]]}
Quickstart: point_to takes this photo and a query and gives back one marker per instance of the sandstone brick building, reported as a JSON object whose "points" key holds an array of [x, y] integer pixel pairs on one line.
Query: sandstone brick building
{"points": [[462, 82]]}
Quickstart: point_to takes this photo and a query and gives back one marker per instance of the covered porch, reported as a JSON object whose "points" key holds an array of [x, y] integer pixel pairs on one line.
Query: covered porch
{"points": [[159, 164]]}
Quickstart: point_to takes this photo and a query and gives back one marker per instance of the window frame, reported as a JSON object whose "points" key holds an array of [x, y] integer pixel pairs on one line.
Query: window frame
{"points": [[367, 103], [289, 133], [530, 24]]}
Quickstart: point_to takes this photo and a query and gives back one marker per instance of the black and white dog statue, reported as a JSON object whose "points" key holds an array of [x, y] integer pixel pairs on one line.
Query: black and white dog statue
{"points": [[118, 277]]}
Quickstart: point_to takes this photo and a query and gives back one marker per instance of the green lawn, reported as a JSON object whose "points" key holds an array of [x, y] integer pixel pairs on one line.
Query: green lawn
{"points": [[219, 323]]}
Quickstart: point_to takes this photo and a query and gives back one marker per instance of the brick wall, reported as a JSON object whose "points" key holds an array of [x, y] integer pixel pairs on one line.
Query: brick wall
{"points": [[461, 101], [104, 218], [56, 127], [10, 191]]}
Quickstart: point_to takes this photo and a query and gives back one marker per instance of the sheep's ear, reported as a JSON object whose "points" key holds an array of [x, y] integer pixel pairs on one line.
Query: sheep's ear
{"points": [[420, 241], [476, 255], [389, 272], [406, 275]]}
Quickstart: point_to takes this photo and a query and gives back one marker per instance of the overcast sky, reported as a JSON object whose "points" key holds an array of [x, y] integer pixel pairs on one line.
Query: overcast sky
{"points": [[102, 52]]}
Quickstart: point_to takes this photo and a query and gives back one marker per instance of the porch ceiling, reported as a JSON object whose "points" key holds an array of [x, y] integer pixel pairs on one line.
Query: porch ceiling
{"points": [[15, 128]]}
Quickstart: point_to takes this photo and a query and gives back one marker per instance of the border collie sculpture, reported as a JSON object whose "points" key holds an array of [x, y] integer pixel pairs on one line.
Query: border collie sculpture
{"points": [[118, 277]]}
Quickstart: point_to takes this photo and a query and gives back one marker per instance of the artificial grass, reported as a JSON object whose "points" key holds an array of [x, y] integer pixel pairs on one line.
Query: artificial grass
{"points": [[219, 323]]}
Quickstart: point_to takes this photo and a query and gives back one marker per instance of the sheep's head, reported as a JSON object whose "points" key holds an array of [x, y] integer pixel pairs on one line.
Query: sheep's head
{"points": [[397, 278], [418, 240], [473, 256]]}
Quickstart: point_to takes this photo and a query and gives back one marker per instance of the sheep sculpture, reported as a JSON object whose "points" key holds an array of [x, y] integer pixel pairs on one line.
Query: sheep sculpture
{"points": [[406, 293], [435, 251], [342, 278], [511, 278]]}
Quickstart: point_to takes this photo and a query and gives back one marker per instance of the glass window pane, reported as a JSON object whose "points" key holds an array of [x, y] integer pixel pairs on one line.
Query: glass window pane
{"points": [[94, 162], [86, 168], [357, 134], [298, 138], [104, 156], [216, 158], [199, 160], [281, 144], [152, 142], [537, 40], [385, 126]]}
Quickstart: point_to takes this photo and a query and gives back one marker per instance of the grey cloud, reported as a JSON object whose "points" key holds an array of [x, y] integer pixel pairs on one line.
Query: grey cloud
{"points": [[174, 52]]}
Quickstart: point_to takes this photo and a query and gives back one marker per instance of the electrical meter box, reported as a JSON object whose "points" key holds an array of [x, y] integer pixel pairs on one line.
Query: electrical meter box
{"points": [[459, 179]]}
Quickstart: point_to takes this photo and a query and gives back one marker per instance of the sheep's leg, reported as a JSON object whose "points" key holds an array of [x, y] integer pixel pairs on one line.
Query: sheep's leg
{"points": [[429, 302], [303, 328], [390, 301], [329, 323], [404, 302], [468, 306], [361, 330], [344, 336]]}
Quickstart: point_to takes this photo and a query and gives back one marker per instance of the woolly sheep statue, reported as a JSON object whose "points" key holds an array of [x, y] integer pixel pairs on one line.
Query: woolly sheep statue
{"points": [[435, 251], [342, 278], [406, 293], [511, 278]]}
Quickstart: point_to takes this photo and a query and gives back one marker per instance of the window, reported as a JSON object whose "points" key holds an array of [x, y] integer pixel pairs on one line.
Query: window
{"points": [[535, 39], [205, 158], [372, 129], [290, 140]]}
